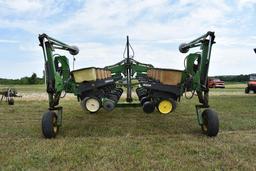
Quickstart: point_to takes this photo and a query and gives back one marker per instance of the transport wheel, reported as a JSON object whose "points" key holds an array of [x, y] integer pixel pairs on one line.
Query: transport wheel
{"points": [[246, 90], [210, 125], [92, 104], [49, 124], [11, 101], [166, 106]]}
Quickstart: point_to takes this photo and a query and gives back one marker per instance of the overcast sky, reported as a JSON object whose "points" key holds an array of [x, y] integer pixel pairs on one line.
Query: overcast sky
{"points": [[99, 29]]}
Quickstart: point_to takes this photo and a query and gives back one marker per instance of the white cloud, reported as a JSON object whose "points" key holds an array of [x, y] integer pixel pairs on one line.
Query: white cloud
{"points": [[8, 41], [152, 26], [246, 3], [232, 61], [22, 6]]}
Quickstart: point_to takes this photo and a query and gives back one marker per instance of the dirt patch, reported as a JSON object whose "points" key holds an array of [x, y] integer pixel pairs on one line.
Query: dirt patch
{"points": [[41, 97]]}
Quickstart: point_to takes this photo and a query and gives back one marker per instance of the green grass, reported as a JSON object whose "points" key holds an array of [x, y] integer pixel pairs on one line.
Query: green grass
{"points": [[127, 138], [25, 88]]}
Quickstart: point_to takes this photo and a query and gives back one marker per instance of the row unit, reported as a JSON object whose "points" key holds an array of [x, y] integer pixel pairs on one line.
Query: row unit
{"points": [[106, 97]]}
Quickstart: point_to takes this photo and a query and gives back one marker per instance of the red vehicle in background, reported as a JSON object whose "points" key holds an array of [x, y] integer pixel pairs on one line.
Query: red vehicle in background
{"points": [[215, 83], [251, 85]]}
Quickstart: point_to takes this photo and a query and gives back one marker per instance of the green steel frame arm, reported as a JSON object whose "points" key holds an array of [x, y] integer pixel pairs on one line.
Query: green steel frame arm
{"points": [[56, 44], [56, 78], [137, 67], [197, 74], [140, 68], [128, 67], [184, 48]]}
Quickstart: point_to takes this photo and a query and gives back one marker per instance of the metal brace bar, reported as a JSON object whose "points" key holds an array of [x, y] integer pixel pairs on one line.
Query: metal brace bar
{"points": [[199, 113], [59, 110]]}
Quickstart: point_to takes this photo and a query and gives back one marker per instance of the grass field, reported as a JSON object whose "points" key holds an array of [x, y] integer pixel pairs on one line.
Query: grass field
{"points": [[127, 138]]}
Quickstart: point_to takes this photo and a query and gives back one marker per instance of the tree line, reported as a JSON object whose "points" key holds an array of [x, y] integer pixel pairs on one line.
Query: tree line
{"points": [[233, 78], [33, 79]]}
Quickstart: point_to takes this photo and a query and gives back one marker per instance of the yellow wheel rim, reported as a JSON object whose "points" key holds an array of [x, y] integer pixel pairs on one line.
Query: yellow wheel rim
{"points": [[165, 107]]}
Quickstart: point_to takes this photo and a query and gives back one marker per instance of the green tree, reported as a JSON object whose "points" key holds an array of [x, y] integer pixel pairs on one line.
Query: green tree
{"points": [[32, 79]]}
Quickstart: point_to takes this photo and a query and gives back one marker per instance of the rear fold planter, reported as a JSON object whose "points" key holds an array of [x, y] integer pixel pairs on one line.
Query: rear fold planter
{"points": [[158, 88]]}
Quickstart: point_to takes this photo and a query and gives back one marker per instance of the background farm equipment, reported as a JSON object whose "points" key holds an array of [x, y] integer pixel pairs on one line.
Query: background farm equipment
{"points": [[215, 83], [102, 87], [8, 95], [251, 84]]}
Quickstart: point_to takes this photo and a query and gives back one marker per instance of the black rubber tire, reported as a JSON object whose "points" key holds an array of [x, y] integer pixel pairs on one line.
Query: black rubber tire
{"points": [[174, 104], [49, 124], [247, 90], [148, 107], [210, 125], [108, 105], [11, 101], [141, 95], [113, 97], [144, 99]]}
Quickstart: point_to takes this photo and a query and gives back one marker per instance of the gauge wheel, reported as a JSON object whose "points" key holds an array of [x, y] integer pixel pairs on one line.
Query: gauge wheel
{"points": [[166, 106], [49, 124], [92, 104], [210, 125]]}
